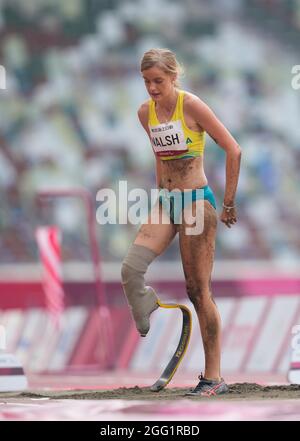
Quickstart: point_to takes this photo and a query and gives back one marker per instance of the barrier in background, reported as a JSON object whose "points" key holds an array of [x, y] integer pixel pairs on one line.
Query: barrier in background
{"points": [[12, 376], [257, 333]]}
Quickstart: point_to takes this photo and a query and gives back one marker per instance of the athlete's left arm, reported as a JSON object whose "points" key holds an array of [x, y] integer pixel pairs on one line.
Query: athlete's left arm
{"points": [[208, 121]]}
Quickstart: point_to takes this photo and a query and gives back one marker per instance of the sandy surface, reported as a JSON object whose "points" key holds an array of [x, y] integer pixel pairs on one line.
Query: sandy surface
{"points": [[237, 391]]}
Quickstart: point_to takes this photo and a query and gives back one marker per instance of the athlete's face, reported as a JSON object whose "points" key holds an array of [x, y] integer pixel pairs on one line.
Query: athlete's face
{"points": [[159, 84]]}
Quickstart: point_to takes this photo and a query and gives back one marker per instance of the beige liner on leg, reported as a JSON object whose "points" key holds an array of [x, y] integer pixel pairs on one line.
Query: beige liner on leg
{"points": [[141, 299]]}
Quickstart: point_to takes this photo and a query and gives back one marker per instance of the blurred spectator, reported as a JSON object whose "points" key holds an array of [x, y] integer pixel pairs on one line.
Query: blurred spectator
{"points": [[68, 116]]}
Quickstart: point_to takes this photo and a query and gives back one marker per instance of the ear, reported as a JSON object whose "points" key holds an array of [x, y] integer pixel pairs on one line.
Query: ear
{"points": [[174, 78]]}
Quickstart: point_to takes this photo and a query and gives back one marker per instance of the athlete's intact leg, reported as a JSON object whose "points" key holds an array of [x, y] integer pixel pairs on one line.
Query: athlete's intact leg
{"points": [[197, 253], [152, 239]]}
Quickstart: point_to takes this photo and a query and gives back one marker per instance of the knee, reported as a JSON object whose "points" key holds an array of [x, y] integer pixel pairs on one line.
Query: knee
{"points": [[198, 292]]}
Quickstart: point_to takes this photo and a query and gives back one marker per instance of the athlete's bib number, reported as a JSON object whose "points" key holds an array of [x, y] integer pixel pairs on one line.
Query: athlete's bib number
{"points": [[168, 139]]}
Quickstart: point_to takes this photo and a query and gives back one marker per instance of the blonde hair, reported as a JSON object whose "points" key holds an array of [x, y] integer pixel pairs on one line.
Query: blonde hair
{"points": [[165, 60]]}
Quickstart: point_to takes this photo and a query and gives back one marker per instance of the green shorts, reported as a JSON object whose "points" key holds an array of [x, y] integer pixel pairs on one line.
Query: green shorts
{"points": [[175, 201]]}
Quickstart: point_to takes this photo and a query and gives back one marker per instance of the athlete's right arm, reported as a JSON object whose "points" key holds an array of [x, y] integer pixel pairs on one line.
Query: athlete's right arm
{"points": [[143, 115]]}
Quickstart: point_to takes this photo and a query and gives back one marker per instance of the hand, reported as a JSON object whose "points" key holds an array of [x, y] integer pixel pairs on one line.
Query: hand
{"points": [[228, 216]]}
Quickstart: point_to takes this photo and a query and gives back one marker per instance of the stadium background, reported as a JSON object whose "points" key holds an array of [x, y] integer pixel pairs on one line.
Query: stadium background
{"points": [[68, 120]]}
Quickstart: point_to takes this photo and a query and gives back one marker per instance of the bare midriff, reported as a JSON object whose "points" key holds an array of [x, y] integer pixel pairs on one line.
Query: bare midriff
{"points": [[182, 174]]}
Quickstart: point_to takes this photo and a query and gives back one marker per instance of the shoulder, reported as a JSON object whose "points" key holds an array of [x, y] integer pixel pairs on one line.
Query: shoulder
{"points": [[192, 103], [143, 111], [143, 115]]}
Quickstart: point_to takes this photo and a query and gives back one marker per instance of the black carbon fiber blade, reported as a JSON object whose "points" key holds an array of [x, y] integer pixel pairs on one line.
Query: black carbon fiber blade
{"points": [[173, 364]]}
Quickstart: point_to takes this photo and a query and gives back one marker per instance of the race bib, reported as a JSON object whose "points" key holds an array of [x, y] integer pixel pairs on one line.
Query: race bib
{"points": [[168, 139]]}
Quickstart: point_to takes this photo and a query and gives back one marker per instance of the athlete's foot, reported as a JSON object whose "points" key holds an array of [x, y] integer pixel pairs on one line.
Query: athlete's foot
{"points": [[208, 388], [149, 303]]}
